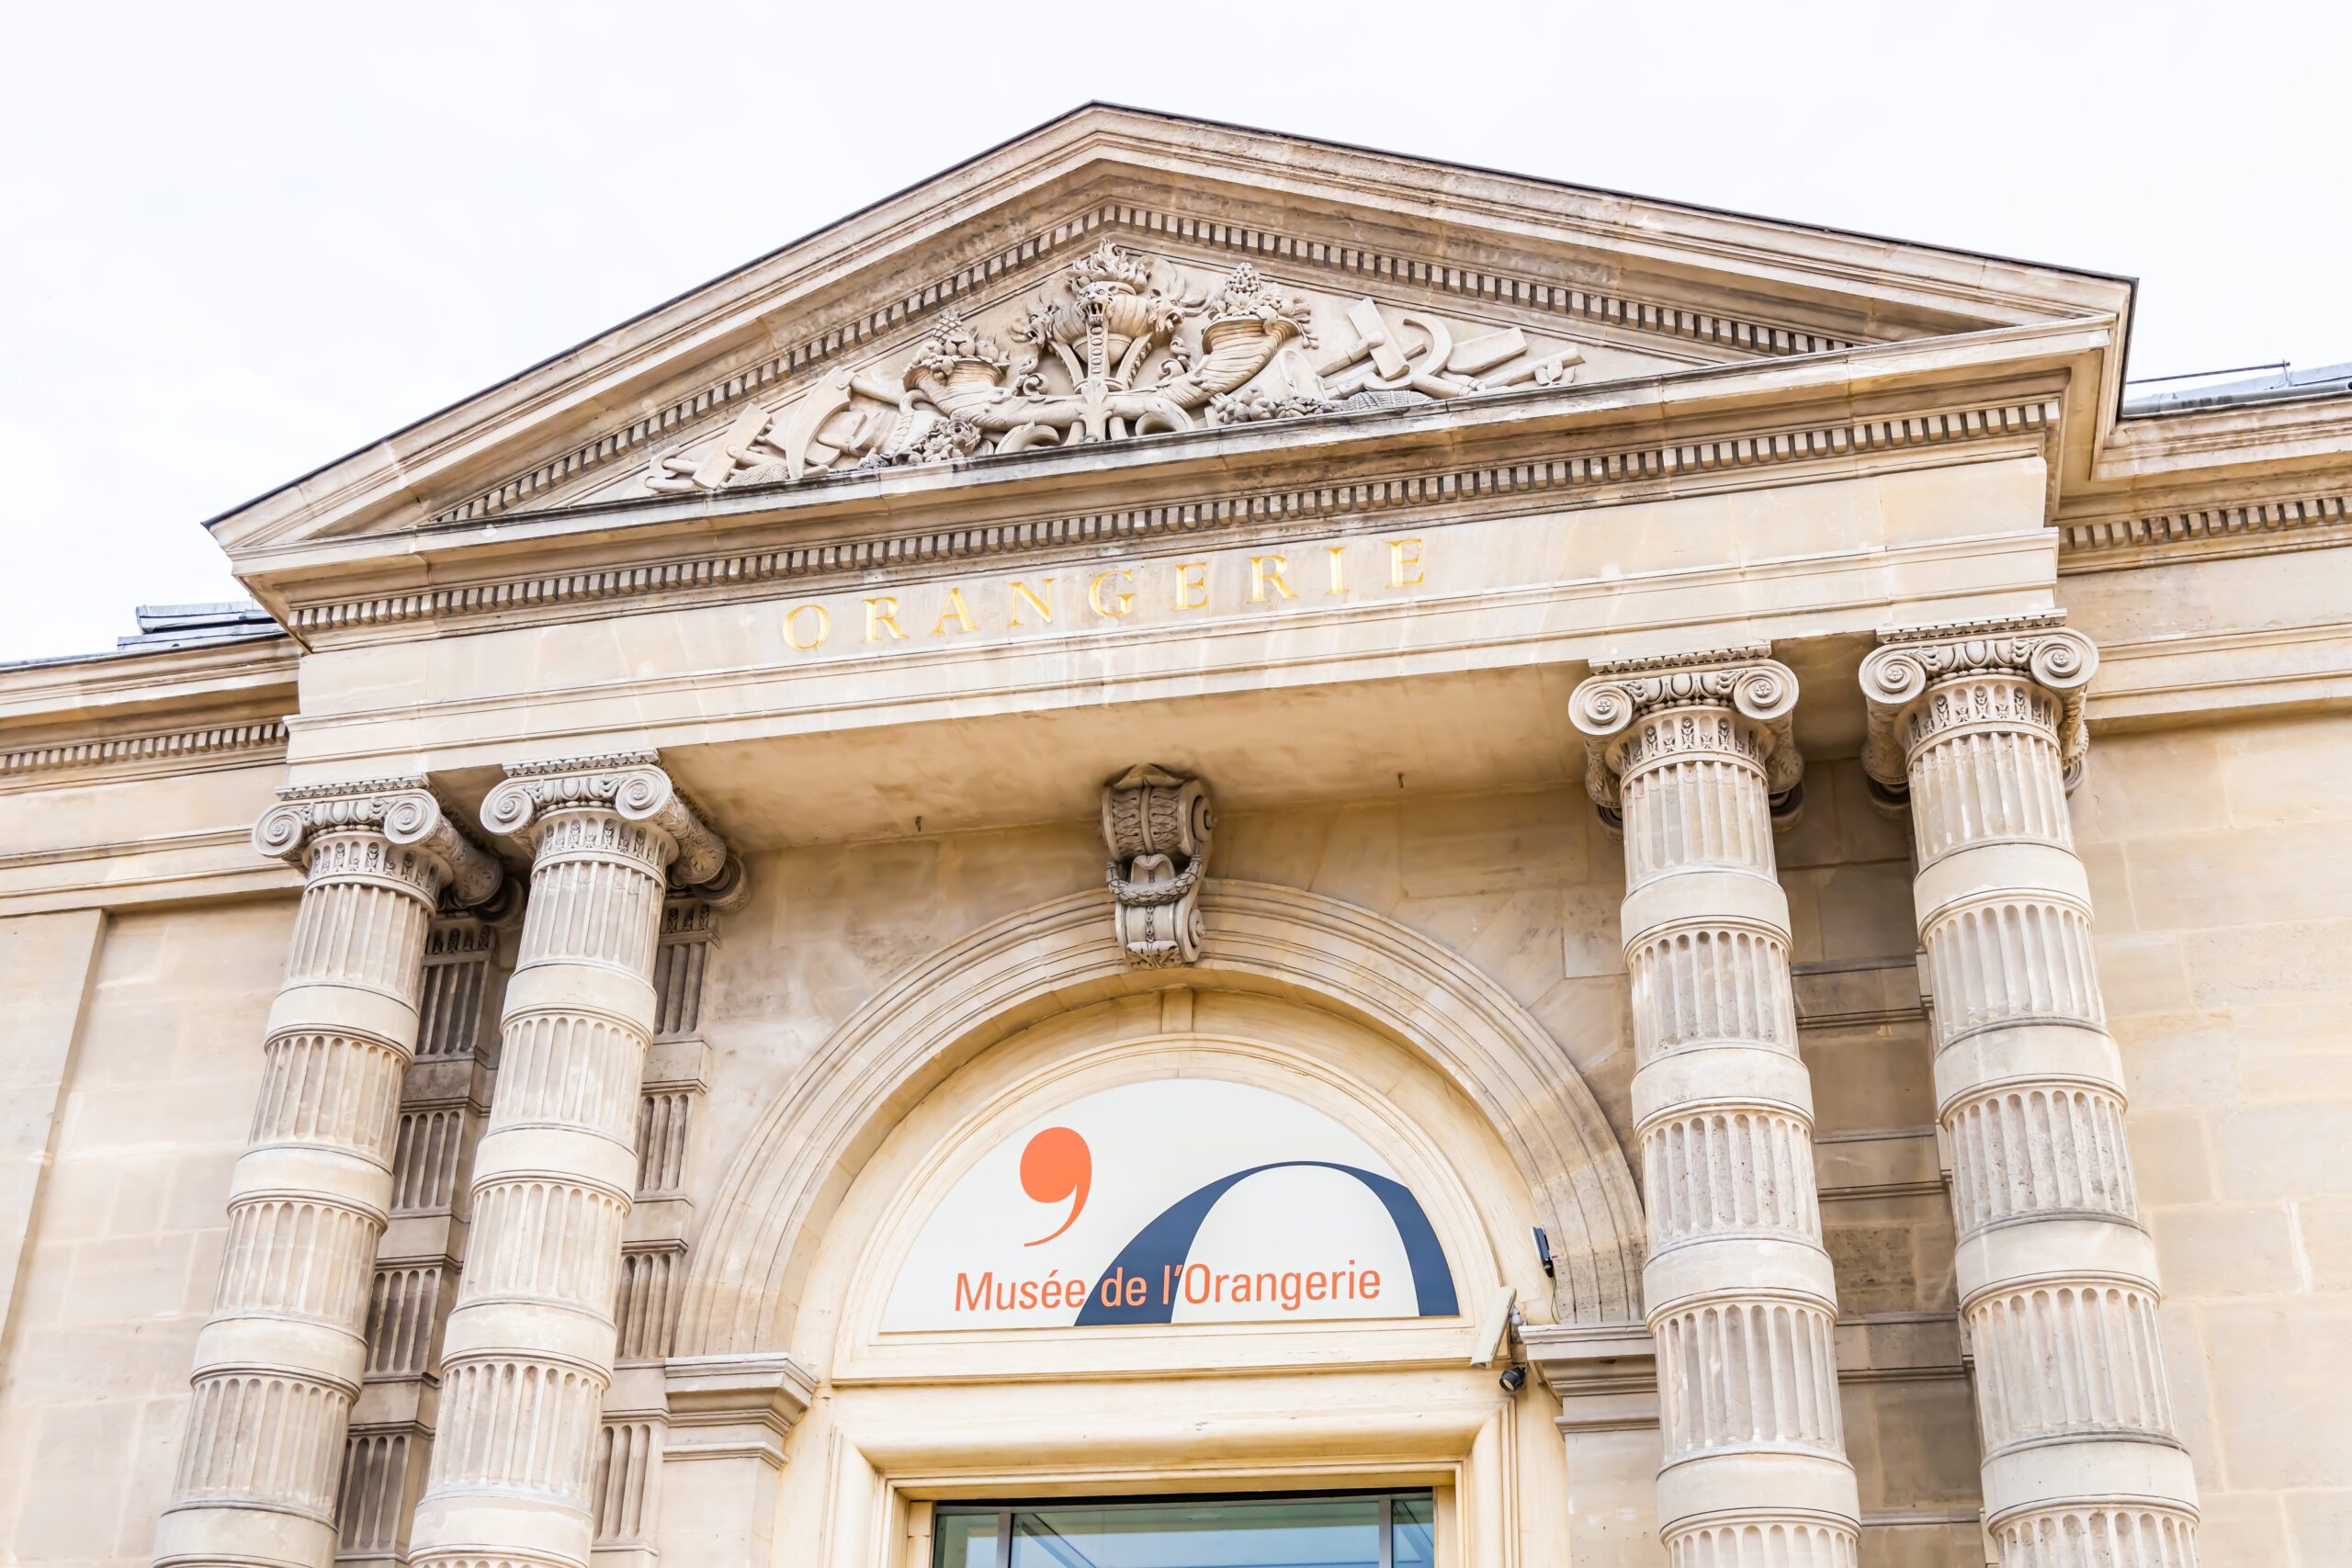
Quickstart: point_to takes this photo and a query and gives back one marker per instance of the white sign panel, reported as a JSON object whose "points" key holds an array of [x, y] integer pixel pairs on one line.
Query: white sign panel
{"points": [[1176, 1201]]}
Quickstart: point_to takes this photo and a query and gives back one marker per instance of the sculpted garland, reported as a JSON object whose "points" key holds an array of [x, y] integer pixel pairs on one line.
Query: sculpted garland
{"points": [[1130, 351]]}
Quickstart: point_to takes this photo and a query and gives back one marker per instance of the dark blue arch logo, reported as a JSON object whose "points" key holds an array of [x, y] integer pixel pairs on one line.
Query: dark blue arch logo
{"points": [[1163, 1249]]}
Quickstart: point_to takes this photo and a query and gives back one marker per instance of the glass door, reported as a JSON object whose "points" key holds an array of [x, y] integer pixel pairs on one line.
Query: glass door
{"points": [[1352, 1530]]}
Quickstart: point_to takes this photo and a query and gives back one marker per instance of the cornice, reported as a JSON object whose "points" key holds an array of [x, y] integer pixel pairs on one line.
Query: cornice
{"points": [[137, 679], [143, 712], [2310, 519], [1594, 473], [139, 756], [1756, 335], [1805, 277], [2304, 431]]}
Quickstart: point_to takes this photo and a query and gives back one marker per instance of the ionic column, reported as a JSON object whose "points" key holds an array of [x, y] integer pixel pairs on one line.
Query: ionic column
{"points": [[1981, 726], [279, 1362], [1691, 755], [528, 1352]]}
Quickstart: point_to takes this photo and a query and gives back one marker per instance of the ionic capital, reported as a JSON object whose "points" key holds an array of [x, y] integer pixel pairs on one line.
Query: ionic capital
{"points": [[1913, 663], [1158, 827], [404, 812], [1758, 693], [630, 785]]}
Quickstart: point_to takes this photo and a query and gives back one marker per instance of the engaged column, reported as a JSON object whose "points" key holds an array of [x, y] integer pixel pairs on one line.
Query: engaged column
{"points": [[528, 1352], [1691, 755], [278, 1364], [1981, 726]]}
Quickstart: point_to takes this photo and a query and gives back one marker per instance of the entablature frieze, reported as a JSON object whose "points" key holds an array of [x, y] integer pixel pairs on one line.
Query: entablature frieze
{"points": [[984, 522]]}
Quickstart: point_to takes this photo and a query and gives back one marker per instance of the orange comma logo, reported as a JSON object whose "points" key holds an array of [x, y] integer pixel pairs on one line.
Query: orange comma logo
{"points": [[1057, 1165]]}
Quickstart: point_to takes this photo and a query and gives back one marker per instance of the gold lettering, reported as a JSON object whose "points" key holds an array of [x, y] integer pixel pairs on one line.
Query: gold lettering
{"points": [[954, 608], [1400, 563], [824, 625], [1124, 597], [1186, 585], [1338, 570], [1023, 591], [1262, 576], [882, 611]]}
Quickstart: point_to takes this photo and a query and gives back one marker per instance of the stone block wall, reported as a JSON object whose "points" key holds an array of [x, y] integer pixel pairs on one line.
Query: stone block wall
{"points": [[124, 1245], [2221, 862]]}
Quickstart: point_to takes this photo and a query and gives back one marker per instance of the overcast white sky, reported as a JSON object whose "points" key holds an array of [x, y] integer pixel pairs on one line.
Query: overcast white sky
{"points": [[243, 240]]}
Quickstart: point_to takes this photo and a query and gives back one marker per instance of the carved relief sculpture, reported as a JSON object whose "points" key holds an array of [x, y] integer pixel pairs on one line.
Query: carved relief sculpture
{"points": [[1157, 827], [1122, 348]]}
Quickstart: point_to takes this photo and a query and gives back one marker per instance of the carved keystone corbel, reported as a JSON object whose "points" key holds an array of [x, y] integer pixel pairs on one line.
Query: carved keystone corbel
{"points": [[1918, 681], [1158, 827], [634, 786], [1613, 710], [403, 811]]}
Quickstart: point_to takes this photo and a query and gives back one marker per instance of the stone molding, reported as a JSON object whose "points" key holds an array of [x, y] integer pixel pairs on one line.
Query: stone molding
{"points": [[1608, 709], [1605, 1378], [170, 750], [732, 1405], [404, 810], [770, 1210], [1912, 663], [2246, 528], [630, 443], [1159, 829], [1591, 476], [632, 785]]}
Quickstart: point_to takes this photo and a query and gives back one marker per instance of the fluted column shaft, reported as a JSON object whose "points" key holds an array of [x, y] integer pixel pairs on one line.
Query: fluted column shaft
{"points": [[1982, 726], [1741, 1296], [279, 1361], [527, 1355]]}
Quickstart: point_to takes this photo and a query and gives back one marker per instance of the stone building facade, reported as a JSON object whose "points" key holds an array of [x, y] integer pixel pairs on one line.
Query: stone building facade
{"points": [[1652, 887]]}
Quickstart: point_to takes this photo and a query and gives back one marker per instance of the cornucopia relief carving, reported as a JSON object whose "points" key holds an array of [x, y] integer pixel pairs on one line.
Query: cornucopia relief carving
{"points": [[1124, 346]]}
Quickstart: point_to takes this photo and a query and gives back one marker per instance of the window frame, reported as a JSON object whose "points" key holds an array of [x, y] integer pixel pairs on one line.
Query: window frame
{"points": [[1384, 1497]]}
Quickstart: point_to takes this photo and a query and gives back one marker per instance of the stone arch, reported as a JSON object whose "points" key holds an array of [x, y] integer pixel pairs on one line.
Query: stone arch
{"points": [[771, 1210]]}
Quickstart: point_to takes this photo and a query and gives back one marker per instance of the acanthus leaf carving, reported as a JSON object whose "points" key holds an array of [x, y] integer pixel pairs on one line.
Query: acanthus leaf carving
{"points": [[1157, 827], [1126, 346]]}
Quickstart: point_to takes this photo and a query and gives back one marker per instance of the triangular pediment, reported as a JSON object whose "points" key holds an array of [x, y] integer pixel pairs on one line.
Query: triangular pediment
{"points": [[1117, 275], [1125, 340]]}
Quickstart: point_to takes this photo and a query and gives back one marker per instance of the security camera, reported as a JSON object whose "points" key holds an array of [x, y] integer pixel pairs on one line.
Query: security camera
{"points": [[1514, 1380]]}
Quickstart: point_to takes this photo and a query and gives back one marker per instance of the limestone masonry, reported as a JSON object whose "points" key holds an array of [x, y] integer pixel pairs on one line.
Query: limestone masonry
{"points": [[1196, 815]]}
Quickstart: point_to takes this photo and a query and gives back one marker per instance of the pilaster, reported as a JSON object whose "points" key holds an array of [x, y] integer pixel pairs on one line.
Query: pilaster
{"points": [[1979, 726], [528, 1353], [279, 1364], [1690, 755]]}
